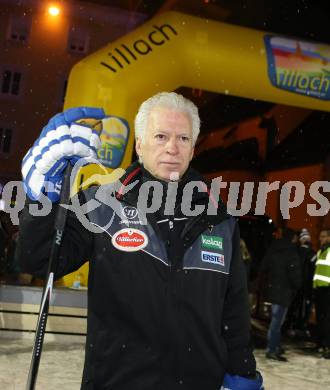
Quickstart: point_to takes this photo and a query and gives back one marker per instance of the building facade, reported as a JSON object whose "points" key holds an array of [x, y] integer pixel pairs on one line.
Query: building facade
{"points": [[38, 48]]}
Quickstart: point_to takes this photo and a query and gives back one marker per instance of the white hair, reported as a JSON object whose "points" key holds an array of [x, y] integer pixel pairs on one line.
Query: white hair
{"points": [[169, 100]]}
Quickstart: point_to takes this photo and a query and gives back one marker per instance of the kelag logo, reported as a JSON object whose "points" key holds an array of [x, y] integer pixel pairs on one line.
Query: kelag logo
{"points": [[299, 66], [211, 242]]}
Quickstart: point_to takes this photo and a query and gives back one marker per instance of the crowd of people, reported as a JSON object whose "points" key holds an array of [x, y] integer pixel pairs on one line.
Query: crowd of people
{"points": [[296, 279]]}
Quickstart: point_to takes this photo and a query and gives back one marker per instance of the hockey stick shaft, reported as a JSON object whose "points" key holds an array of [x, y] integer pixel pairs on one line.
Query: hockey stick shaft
{"points": [[60, 221]]}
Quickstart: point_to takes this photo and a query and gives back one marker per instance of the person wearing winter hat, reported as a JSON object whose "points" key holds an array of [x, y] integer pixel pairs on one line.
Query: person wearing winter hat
{"points": [[304, 297], [282, 270], [304, 236]]}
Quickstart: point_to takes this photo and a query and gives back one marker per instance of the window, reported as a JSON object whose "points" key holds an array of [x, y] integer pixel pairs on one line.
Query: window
{"points": [[78, 41], [19, 29], [10, 82], [5, 140]]}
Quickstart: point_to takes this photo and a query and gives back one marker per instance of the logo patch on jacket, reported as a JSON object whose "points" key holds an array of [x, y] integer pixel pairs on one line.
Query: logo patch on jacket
{"points": [[211, 242], [129, 212], [212, 257], [129, 240]]}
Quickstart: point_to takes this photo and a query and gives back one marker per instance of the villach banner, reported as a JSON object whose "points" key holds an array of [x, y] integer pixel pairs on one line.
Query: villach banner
{"points": [[298, 66]]}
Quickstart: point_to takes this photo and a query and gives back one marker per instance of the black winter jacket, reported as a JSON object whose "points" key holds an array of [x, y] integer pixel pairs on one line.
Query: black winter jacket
{"points": [[306, 254], [283, 272], [172, 315]]}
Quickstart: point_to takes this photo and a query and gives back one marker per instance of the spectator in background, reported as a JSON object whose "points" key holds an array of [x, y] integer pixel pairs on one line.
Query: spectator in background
{"points": [[282, 268], [321, 284], [13, 267], [299, 311], [9, 263], [305, 293]]}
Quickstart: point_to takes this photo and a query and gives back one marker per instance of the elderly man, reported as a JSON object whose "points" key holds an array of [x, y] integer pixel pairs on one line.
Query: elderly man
{"points": [[167, 300]]}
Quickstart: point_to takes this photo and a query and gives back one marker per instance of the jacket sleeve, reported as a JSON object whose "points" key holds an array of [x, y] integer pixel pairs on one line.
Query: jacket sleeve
{"points": [[234, 382], [236, 317], [36, 235], [295, 271]]}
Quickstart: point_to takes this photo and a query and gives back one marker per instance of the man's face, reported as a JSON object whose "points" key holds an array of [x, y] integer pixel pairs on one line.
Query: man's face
{"points": [[167, 148], [324, 237]]}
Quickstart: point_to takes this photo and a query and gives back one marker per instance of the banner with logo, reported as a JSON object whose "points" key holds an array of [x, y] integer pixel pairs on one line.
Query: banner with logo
{"points": [[299, 66]]}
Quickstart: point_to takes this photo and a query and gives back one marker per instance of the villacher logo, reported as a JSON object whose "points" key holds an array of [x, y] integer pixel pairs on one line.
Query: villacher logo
{"points": [[123, 55]]}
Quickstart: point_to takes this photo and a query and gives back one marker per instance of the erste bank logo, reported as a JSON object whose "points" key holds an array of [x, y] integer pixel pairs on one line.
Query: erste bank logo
{"points": [[213, 257]]}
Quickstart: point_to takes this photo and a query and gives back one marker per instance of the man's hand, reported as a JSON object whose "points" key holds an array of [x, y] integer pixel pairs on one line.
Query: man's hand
{"points": [[67, 137]]}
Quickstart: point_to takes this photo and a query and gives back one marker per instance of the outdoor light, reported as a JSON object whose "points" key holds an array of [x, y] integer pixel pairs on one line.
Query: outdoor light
{"points": [[54, 11], [270, 220]]}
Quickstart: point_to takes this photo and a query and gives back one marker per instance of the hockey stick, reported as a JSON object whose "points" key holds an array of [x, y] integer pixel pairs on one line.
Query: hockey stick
{"points": [[60, 221]]}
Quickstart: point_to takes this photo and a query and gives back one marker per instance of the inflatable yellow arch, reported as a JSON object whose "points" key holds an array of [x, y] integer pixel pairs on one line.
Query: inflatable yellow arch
{"points": [[173, 50]]}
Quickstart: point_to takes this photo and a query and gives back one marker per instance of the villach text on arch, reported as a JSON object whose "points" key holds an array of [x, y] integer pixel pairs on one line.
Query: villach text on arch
{"points": [[123, 55]]}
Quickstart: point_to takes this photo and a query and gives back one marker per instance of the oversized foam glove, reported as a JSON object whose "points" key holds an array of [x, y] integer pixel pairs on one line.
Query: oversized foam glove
{"points": [[235, 382], [61, 141]]}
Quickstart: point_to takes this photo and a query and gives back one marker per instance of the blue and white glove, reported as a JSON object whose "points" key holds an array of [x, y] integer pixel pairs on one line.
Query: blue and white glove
{"points": [[61, 141], [235, 382]]}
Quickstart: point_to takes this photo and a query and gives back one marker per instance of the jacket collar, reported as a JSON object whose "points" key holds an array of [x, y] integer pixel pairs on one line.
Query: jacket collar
{"points": [[136, 172]]}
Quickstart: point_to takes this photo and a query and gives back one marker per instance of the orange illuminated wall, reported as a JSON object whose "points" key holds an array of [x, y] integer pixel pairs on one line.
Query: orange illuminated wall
{"points": [[299, 217], [229, 176], [287, 119]]}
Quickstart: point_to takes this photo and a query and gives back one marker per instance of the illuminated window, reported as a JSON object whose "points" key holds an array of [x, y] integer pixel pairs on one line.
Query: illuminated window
{"points": [[19, 29], [10, 82], [5, 140], [78, 41]]}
